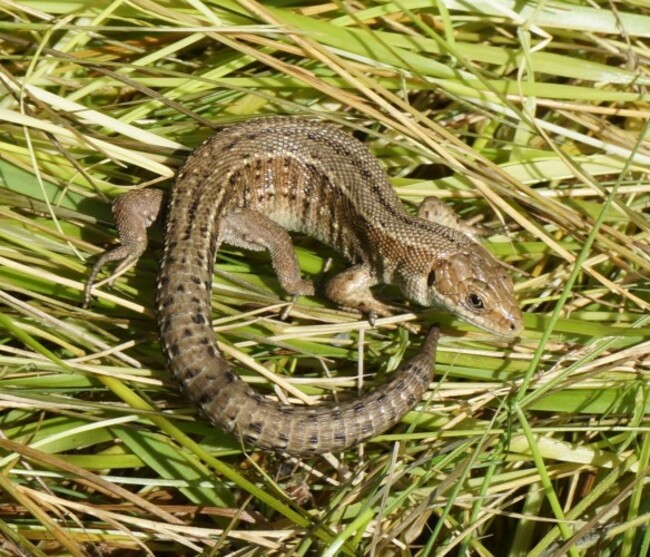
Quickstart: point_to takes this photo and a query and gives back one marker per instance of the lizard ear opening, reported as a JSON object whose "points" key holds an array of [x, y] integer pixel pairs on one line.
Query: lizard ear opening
{"points": [[431, 279]]}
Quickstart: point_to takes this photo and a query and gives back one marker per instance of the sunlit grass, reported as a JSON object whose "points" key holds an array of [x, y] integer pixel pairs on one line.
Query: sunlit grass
{"points": [[531, 118]]}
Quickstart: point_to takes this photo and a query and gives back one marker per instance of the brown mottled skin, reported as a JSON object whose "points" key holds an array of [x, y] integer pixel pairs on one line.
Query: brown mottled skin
{"points": [[246, 186]]}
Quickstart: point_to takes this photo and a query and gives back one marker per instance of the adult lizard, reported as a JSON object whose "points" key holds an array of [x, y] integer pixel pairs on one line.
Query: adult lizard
{"points": [[246, 186]]}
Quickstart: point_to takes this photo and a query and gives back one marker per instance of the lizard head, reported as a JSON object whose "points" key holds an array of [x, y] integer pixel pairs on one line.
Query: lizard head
{"points": [[475, 287]]}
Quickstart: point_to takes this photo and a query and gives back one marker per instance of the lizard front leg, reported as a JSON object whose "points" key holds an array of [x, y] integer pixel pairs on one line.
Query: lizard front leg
{"points": [[351, 289], [434, 210]]}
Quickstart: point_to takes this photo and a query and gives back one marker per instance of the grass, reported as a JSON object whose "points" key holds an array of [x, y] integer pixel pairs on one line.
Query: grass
{"points": [[531, 116]]}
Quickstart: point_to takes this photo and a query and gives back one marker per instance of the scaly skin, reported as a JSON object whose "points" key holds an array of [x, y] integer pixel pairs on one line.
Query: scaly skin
{"points": [[245, 186]]}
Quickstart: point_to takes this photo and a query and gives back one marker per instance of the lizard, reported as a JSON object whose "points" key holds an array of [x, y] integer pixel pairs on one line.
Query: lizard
{"points": [[247, 186]]}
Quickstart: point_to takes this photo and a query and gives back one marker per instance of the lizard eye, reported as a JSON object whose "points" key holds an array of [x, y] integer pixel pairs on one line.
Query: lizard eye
{"points": [[475, 302], [431, 279]]}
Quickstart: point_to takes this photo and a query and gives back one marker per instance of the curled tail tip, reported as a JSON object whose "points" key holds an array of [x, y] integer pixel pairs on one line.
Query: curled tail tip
{"points": [[431, 340]]}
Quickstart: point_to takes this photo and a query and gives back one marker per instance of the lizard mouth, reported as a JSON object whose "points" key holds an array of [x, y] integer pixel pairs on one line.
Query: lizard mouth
{"points": [[504, 325]]}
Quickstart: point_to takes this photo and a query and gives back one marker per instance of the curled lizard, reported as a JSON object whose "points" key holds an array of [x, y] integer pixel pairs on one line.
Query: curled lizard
{"points": [[246, 186]]}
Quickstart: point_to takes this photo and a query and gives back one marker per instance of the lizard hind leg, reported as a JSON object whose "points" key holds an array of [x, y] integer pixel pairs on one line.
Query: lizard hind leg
{"points": [[134, 212], [249, 229]]}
